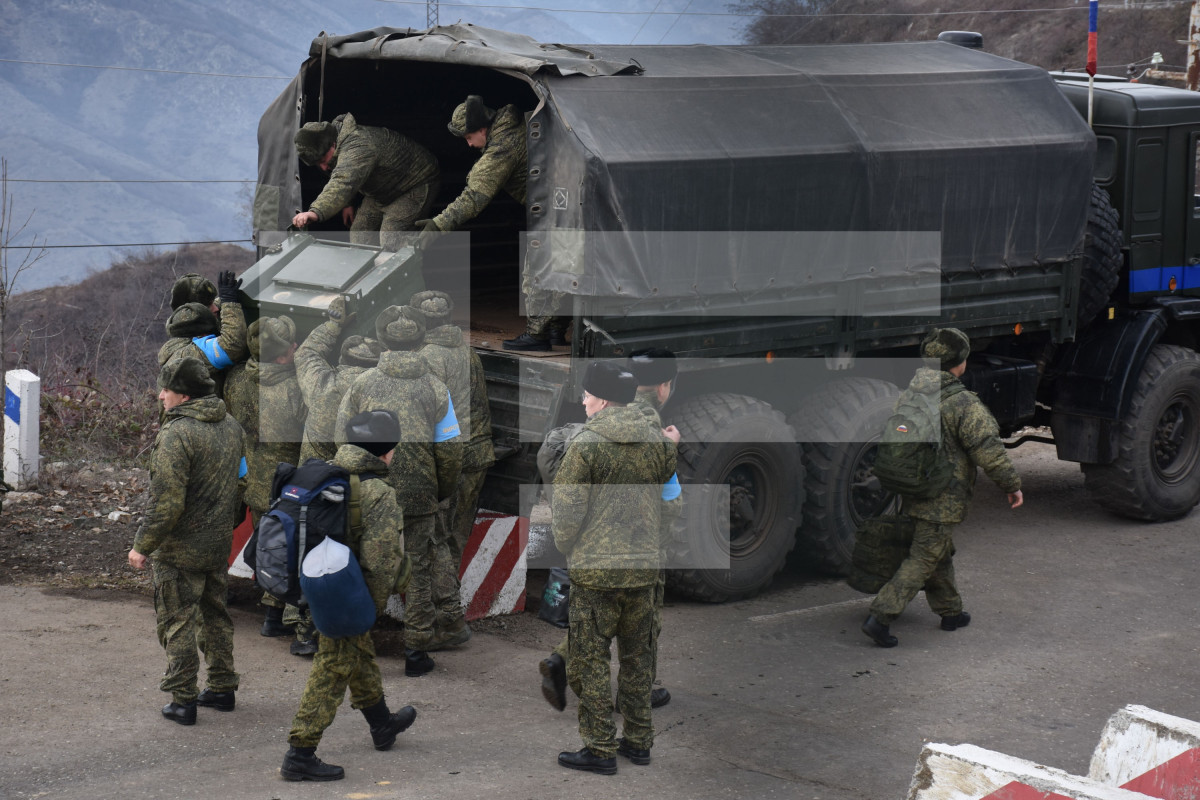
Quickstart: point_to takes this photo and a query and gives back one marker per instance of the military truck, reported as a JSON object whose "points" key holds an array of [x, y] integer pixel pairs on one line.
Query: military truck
{"points": [[789, 220]]}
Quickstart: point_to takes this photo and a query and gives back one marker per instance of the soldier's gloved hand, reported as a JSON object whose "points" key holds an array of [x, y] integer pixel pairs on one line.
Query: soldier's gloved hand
{"points": [[227, 286], [337, 310]]}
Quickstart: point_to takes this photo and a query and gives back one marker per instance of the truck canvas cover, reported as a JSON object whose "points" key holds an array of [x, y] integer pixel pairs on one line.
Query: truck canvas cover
{"points": [[676, 172]]}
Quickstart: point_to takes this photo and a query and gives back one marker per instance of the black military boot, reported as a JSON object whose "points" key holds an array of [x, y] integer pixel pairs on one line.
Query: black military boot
{"points": [[307, 647], [558, 337], [417, 663], [183, 713], [221, 701], [527, 342], [659, 697], [302, 764], [273, 624], [636, 755], [879, 632], [588, 761], [554, 681], [385, 725], [956, 621]]}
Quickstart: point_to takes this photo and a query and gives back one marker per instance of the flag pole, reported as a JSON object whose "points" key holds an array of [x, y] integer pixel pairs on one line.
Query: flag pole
{"points": [[1093, 26]]}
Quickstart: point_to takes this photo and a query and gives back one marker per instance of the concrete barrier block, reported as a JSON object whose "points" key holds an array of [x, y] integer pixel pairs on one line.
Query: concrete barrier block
{"points": [[967, 772], [1149, 752]]}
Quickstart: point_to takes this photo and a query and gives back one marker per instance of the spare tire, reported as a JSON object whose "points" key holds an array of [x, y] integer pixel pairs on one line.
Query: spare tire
{"points": [[1102, 258]]}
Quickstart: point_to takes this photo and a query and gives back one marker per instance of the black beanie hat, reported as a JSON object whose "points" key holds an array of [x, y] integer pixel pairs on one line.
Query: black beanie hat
{"points": [[187, 376], [377, 432], [652, 366], [610, 381]]}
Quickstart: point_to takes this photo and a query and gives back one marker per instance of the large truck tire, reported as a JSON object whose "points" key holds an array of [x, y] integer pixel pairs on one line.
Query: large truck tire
{"points": [[1102, 258], [745, 444], [844, 421], [1157, 472]]}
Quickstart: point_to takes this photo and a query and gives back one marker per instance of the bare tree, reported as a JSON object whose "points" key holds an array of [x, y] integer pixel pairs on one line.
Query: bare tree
{"points": [[11, 266]]}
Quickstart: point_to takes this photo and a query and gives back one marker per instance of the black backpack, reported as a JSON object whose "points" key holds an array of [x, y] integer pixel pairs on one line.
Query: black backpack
{"points": [[909, 459], [309, 502]]}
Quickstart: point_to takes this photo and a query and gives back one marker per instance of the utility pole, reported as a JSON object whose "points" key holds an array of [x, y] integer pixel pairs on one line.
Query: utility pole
{"points": [[431, 13], [1193, 48]]}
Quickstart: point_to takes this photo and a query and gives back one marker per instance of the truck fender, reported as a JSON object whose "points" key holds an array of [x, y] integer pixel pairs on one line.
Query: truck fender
{"points": [[1095, 379]]}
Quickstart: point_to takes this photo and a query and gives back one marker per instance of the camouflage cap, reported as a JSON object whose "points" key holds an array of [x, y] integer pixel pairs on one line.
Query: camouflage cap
{"points": [[400, 327], [186, 376], [433, 304], [652, 366], [268, 338], [377, 432], [949, 346], [610, 381], [192, 288], [360, 351], [470, 116], [191, 320], [313, 141]]}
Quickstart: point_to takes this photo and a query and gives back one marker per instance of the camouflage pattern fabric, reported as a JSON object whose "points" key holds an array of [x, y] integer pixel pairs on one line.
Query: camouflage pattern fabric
{"points": [[338, 664], [449, 359], [232, 339], [423, 471], [542, 307], [376, 162], [193, 487], [503, 165], [391, 226], [460, 518], [379, 543], [430, 602], [191, 613], [930, 565], [478, 453], [971, 438], [265, 399], [322, 386], [597, 616]]}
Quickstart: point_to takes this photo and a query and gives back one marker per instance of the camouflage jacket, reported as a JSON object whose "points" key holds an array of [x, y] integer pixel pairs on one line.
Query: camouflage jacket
{"points": [[647, 403], [230, 345], [322, 386], [503, 164], [608, 500], [428, 459], [970, 439], [453, 361], [265, 400], [377, 162], [193, 487], [379, 544]]}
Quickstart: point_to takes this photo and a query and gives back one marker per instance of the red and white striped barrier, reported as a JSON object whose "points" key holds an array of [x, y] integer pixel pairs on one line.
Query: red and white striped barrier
{"points": [[492, 574], [1149, 752], [241, 534]]}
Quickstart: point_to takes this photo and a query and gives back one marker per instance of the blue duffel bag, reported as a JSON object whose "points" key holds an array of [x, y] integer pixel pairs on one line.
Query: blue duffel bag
{"points": [[337, 594]]}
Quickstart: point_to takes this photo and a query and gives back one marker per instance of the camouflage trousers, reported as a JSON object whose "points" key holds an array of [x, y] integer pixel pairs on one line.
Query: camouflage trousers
{"points": [[597, 616], [461, 517], [660, 587], [431, 600], [542, 307], [190, 607], [930, 564], [391, 226], [339, 664]]}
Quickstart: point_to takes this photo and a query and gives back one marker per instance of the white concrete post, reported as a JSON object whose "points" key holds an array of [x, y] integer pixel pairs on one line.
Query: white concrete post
{"points": [[22, 396]]}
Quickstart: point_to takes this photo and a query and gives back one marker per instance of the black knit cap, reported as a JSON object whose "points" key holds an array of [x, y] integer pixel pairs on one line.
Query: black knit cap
{"points": [[652, 366], [377, 431], [610, 381], [187, 376]]}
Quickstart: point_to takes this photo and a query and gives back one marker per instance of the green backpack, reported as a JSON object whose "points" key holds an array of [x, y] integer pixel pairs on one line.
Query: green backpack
{"points": [[909, 459]]}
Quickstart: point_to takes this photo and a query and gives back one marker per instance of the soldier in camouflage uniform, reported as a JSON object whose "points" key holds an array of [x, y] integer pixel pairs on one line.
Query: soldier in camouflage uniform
{"points": [[457, 364], [397, 178], [349, 663], [188, 533], [264, 397], [608, 498], [503, 165], [426, 467], [194, 288], [196, 332], [325, 380], [970, 439]]}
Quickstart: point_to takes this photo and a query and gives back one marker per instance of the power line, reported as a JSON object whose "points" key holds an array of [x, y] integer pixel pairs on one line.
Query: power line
{"points": [[121, 180], [143, 69], [127, 244]]}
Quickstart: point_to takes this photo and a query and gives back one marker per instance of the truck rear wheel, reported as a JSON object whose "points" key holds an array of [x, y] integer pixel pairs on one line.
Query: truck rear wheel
{"points": [[1101, 257], [746, 445], [1157, 472], [844, 421]]}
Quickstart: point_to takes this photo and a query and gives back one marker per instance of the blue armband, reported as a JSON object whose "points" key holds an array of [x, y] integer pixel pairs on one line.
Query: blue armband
{"points": [[672, 489], [212, 351], [447, 429], [242, 468]]}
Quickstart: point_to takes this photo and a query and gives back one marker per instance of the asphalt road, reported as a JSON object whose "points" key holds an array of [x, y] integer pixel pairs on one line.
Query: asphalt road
{"points": [[1075, 614]]}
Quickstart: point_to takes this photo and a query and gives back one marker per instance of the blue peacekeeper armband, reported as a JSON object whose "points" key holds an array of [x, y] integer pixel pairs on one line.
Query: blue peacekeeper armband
{"points": [[242, 468], [447, 429], [212, 351], [672, 489]]}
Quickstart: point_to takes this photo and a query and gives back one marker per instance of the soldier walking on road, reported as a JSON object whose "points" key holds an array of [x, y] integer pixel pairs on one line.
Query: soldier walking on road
{"points": [[188, 533], [349, 663], [608, 499], [397, 178], [970, 438]]}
